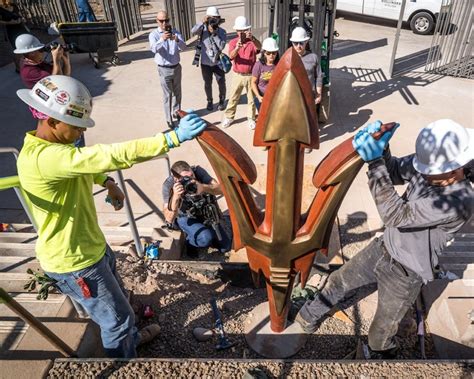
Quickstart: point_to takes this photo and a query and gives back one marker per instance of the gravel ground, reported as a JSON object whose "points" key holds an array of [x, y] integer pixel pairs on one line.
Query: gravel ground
{"points": [[271, 369], [180, 299]]}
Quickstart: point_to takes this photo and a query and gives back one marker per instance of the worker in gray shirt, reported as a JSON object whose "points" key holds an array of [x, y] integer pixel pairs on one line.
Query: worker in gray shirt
{"points": [[212, 39], [299, 39], [437, 202], [166, 42]]}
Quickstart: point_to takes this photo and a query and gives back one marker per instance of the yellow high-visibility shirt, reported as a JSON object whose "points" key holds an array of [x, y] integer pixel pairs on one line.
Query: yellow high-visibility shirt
{"points": [[58, 180]]}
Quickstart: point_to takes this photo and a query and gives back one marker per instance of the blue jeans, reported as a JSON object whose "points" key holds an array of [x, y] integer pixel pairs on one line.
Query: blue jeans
{"points": [[257, 103], [85, 13], [200, 235], [107, 306]]}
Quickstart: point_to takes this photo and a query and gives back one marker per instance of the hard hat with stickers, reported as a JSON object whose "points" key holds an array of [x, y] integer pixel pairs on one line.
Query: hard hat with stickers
{"points": [[61, 97]]}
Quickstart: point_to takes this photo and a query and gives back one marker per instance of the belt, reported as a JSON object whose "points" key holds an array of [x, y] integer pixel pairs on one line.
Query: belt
{"points": [[243, 74], [171, 66], [394, 262]]}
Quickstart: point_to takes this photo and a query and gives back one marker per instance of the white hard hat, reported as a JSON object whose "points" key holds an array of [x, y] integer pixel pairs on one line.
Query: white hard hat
{"points": [[61, 97], [213, 12], [27, 43], [241, 23], [443, 146], [269, 44], [299, 35]]}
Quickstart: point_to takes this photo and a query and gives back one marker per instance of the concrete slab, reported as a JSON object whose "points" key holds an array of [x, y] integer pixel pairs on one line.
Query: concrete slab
{"points": [[24, 369]]}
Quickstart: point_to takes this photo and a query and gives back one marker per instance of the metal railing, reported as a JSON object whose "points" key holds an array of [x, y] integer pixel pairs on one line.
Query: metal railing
{"points": [[125, 14], [451, 51], [13, 182], [183, 16], [16, 186], [37, 325], [41, 13]]}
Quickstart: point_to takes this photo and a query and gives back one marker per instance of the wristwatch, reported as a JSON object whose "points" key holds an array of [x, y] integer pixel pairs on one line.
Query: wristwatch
{"points": [[106, 180]]}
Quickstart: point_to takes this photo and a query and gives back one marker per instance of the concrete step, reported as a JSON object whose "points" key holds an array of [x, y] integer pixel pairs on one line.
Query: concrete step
{"points": [[39, 308], [456, 257], [20, 341], [18, 264], [14, 282], [448, 304], [28, 249]]}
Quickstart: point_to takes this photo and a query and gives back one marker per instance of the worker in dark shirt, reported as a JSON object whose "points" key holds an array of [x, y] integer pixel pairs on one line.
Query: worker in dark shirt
{"points": [[33, 67], [437, 202], [14, 25]]}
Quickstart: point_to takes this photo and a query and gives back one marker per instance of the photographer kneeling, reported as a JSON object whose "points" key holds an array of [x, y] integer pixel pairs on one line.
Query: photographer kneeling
{"points": [[190, 203]]}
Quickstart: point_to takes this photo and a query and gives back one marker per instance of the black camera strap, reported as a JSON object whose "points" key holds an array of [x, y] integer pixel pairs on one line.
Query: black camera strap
{"points": [[197, 53]]}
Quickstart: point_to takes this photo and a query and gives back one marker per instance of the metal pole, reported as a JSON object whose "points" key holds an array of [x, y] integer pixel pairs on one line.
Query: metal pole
{"points": [[31, 320], [18, 191], [129, 212], [397, 36]]}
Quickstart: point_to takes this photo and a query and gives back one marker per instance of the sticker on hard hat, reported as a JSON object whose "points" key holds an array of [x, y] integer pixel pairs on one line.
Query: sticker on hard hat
{"points": [[77, 108], [48, 84], [62, 97], [41, 94], [74, 113]]}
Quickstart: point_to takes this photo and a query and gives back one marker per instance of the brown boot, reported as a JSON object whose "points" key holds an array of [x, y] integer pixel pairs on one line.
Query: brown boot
{"points": [[148, 333]]}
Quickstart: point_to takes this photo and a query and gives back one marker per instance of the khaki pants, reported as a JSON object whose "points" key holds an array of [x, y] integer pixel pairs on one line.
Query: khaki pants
{"points": [[239, 83]]}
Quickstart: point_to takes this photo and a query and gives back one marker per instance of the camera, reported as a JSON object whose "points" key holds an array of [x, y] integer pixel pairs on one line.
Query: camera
{"points": [[214, 22], [168, 28], [188, 184], [204, 207], [68, 47]]}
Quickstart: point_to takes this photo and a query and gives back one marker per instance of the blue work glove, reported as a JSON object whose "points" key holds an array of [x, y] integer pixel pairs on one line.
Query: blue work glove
{"points": [[372, 127], [189, 127], [368, 147]]}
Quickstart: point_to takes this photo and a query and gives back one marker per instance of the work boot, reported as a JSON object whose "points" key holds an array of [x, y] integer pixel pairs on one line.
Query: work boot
{"points": [[148, 333], [210, 106], [221, 105], [307, 327], [383, 354]]}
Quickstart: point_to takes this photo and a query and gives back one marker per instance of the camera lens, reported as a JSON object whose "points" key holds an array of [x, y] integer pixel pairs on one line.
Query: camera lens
{"points": [[188, 185]]}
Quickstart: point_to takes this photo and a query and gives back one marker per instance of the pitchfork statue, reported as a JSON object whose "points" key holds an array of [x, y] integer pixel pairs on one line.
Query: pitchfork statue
{"points": [[280, 241]]}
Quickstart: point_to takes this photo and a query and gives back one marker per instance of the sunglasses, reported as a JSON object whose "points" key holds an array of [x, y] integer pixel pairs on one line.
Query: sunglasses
{"points": [[165, 20], [271, 52], [299, 43]]}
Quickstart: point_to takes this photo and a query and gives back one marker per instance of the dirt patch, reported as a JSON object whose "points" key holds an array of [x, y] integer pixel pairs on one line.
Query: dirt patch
{"points": [[180, 298]]}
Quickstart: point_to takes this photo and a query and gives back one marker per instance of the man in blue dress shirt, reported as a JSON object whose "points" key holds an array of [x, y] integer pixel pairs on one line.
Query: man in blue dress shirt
{"points": [[166, 42]]}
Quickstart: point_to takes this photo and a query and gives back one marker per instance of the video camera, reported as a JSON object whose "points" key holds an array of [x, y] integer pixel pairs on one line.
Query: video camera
{"points": [[204, 208], [214, 22], [68, 47]]}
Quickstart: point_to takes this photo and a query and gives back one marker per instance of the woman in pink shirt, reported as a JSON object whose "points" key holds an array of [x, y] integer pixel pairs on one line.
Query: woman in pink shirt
{"points": [[263, 70]]}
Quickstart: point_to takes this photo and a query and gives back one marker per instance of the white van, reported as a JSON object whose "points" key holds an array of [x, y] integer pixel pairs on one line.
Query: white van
{"points": [[421, 14]]}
